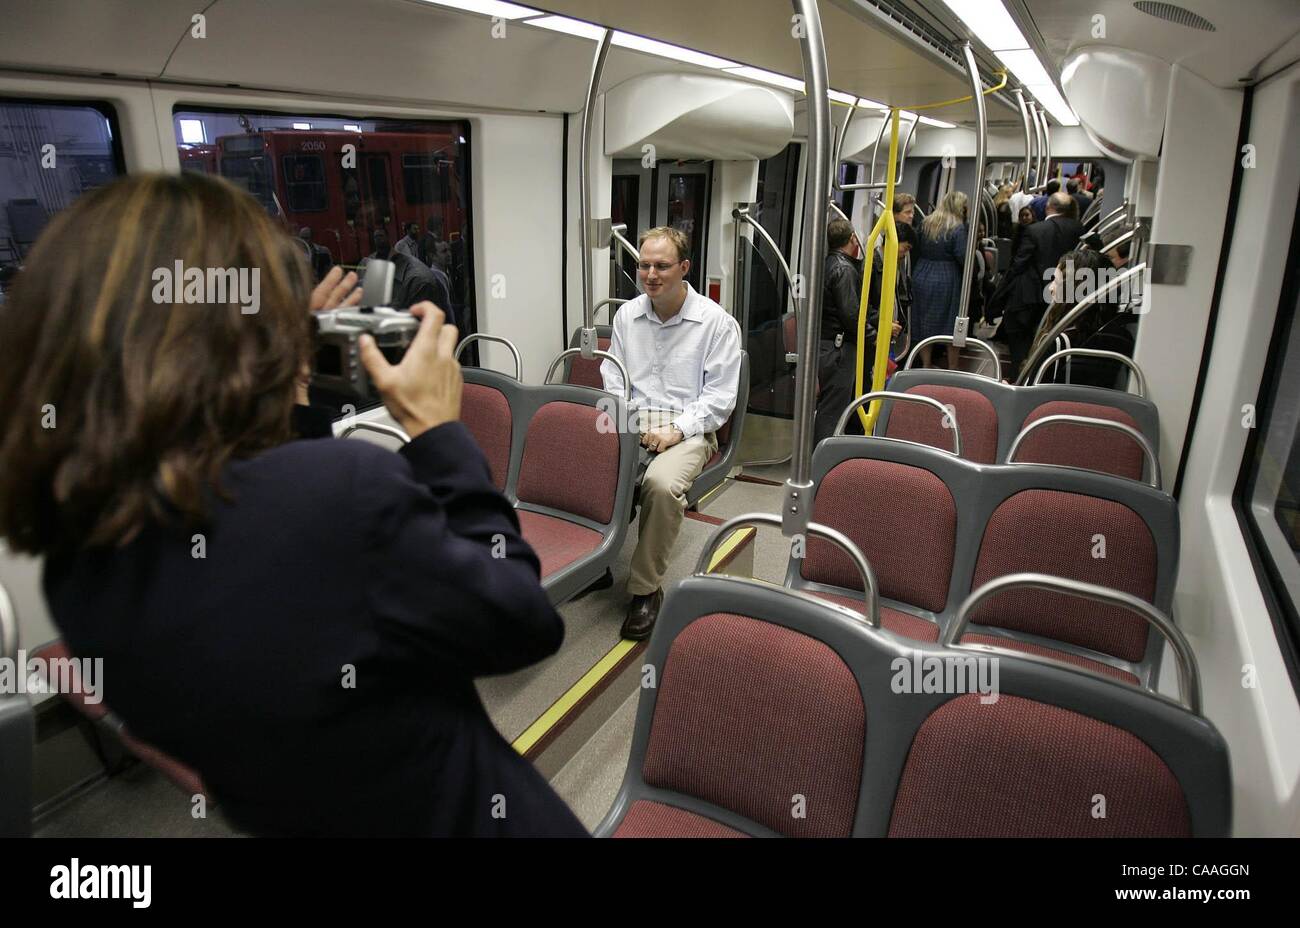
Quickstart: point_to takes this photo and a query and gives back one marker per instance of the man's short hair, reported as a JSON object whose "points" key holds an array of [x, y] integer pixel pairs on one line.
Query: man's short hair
{"points": [[902, 201], [679, 239], [838, 234], [1064, 204], [1053, 186], [906, 234]]}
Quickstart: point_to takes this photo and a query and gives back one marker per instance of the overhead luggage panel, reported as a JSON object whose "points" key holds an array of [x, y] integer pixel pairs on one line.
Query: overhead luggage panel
{"points": [[126, 38]]}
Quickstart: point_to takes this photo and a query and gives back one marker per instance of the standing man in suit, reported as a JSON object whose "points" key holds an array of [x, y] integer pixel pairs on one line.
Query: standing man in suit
{"points": [[1021, 293]]}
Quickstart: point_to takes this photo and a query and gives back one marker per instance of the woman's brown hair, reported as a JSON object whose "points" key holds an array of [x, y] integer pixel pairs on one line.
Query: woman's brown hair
{"points": [[123, 402]]}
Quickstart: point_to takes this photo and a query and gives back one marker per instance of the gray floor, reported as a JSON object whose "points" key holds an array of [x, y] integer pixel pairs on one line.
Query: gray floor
{"points": [[590, 780], [137, 803]]}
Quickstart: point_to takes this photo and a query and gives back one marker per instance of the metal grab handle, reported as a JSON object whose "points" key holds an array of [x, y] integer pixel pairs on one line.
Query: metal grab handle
{"points": [[627, 379], [608, 301], [1031, 363], [8, 628], [1107, 247], [742, 214], [616, 233], [519, 364], [1147, 450], [949, 415], [391, 431], [935, 339], [1189, 681], [871, 589], [1094, 353], [1114, 219]]}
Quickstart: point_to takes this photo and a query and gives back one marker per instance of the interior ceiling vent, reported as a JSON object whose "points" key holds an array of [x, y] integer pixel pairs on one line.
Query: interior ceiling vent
{"points": [[1174, 14]]}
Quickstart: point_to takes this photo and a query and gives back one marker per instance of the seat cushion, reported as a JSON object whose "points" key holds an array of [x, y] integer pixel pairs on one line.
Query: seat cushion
{"points": [[1057, 533], [905, 525], [1083, 446], [977, 422], [1037, 649], [570, 461], [1020, 768], [646, 819], [751, 716], [900, 623], [486, 413], [558, 542]]}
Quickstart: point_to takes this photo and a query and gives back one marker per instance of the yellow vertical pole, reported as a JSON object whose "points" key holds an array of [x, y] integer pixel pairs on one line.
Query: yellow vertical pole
{"points": [[885, 324]]}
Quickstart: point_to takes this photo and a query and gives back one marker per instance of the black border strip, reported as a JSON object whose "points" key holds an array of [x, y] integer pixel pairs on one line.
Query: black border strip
{"points": [[1225, 252], [1281, 610]]}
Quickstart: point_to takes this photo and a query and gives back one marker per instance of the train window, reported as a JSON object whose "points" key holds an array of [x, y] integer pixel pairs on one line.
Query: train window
{"points": [[1268, 492], [51, 154], [304, 177], [425, 178]]}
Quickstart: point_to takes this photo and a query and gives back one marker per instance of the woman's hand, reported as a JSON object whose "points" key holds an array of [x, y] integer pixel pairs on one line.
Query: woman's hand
{"points": [[423, 391], [335, 289]]}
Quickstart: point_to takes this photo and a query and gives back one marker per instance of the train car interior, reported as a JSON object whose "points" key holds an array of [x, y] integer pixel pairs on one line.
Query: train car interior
{"points": [[1098, 511]]}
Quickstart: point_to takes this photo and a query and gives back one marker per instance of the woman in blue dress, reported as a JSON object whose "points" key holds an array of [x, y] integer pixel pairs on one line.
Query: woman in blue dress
{"points": [[936, 274]]}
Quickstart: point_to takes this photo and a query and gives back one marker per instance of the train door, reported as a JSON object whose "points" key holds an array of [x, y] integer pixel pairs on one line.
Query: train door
{"points": [[377, 197], [629, 206], [682, 201]]}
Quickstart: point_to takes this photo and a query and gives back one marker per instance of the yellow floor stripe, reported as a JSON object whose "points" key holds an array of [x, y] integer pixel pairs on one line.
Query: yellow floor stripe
{"points": [[562, 706]]}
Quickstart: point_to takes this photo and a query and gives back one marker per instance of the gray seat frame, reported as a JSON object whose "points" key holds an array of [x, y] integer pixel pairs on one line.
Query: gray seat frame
{"points": [[977, 491], [17, 738], [1188, 744]]}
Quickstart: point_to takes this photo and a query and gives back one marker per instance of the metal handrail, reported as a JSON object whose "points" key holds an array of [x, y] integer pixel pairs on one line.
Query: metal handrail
{"points": [[608, 301], [627, 380], [479, 336], [1095, 353], [8, 628], [871, 588], [1148, 452], [1189, 683], [1039, 149], [1031, 363], [949, 415], [935, 339], [616, 233], [741, 213], [1112, 221], [974, 203], [1107, 247], [584, 177], [391, 431], [1029, 149]]}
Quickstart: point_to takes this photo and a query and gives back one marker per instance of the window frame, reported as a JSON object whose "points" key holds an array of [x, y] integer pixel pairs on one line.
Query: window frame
{"points": [[1283, 608], [322, 182]]}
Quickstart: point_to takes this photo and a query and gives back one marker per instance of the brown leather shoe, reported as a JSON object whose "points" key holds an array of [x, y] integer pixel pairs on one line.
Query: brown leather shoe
{"points": [[641, 615]]}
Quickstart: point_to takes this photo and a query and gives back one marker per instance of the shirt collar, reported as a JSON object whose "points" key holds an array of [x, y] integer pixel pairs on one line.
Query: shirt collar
{"points": [[690, 311]]}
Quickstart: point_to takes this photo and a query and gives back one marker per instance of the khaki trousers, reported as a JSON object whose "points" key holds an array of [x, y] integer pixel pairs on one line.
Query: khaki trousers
{"points": [[663, 506]]}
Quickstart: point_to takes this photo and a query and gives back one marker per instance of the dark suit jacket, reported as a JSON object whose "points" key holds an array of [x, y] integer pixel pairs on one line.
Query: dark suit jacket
{"points": [[1041, 246], [316, 664]]}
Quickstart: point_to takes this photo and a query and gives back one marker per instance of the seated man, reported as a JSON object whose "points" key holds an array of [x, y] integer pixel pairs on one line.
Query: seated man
{"points": [[682, 351]]}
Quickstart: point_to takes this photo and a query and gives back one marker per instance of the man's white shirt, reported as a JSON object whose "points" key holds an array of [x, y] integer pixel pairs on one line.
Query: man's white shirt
{"points": [[690, 364]]}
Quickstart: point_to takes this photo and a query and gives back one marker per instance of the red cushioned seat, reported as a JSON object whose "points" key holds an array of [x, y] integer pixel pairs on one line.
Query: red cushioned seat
{"points": [[749, 715], [1080, 445], [585, 372], [1022, 768], [486, 413], [1012, 644], [570, 461], [901, 623], [977, 421], [1056, 533], [558, 542], [646, 819], [906, 526]]}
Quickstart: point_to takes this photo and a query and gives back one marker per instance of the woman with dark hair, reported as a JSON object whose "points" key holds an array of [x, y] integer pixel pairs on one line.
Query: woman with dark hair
{"points": [[298, 620]]}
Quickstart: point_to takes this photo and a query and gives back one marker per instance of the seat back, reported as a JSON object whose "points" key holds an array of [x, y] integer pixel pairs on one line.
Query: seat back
{"points": [[729, 436], [585, 372], [902, 516], [17, 738], [574, 462], [486, 409], [971, 397], [768, 704]]}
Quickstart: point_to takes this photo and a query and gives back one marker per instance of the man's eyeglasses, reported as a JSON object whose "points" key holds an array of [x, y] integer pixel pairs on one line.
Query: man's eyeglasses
{"points": [[644, 267]]}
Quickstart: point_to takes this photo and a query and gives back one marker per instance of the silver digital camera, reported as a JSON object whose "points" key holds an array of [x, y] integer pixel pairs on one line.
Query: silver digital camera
{"points": [[337, 366]]}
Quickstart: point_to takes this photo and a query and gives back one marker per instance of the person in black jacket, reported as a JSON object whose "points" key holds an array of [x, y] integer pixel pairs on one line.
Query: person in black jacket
{"points": [[300, 621], [1022, 293]]}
